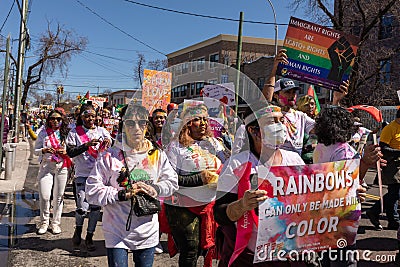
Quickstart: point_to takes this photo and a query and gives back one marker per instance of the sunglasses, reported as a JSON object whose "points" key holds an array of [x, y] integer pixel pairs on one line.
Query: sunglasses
{"points": [[55, 119], [132, 123], [99, 120]]}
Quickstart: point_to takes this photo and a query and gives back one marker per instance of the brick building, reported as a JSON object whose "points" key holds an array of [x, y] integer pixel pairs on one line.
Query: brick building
{"points": [[122, 97]]}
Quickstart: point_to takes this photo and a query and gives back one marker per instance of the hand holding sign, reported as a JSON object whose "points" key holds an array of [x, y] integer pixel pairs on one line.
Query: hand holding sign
{"points": [[341, 55]]}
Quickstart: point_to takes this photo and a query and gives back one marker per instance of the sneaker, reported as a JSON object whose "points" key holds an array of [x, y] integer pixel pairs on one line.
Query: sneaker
{"points": [[55, 229], [42, 229], [158, 249], [393, 225], [374, 220]]}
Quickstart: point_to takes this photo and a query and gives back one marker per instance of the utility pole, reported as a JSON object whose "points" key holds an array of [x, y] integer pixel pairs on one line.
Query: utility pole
{"points": [[20, 67], [5, 86], [238, 61]]}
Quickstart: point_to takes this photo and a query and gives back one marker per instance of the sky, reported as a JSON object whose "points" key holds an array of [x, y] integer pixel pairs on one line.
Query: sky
{"points": [[113, 28]]}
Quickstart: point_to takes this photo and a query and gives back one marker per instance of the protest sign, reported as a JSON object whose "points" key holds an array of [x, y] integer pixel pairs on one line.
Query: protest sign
{"points": [[310, 208], [225, 92], [156, 89], [97, 101], [318, 55]]}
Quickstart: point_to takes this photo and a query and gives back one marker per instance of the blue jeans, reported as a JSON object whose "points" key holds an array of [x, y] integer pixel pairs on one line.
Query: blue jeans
{"points": [[82, 206], [118, 257]]}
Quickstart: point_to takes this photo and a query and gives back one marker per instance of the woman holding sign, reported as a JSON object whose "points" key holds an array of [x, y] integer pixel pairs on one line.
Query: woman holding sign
{"points": [[84, 143], [236, 202]]}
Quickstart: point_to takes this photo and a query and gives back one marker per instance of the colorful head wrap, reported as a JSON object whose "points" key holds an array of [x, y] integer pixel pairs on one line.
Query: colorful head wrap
{"points": [[270, 111]]}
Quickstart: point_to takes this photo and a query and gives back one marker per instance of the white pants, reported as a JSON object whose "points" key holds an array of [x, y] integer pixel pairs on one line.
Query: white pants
{"points": [[51, 175]]}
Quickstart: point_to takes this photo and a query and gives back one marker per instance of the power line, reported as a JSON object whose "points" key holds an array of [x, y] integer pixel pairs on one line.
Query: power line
{"points": [[80, 86], [101, 65], [119, 29], [9, 12], [110, 57], [203, 16]]}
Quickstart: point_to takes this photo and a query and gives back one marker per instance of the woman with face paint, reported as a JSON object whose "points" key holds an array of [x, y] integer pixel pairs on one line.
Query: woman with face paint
{"points": [[84, 144], [53, 171], [133, 165], [266, 134]]}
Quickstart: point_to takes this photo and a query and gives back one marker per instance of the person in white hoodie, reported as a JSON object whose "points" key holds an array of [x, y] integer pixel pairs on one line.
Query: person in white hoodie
{"points": [[133, 165]]}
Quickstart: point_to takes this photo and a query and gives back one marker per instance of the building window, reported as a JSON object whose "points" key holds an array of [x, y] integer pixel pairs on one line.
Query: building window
{"points": [[386, 27], [224, 78], [199, 87], [194, 65], [192, 89], [261, 82], [213, 81], [183, 90], [214, 58], [385, 70], [318, 90], [178, 69], [200, 64], [185, 67]]}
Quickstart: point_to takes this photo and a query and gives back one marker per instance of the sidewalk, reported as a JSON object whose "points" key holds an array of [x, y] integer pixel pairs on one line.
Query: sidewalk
{"points": [[16, 183]]}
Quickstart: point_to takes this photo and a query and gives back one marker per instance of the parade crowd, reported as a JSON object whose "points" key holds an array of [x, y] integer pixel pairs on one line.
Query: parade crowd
{"points": [[149, 175]]}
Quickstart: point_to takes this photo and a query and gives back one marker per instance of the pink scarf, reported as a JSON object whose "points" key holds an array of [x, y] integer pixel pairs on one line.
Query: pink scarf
{"points": [[245, 223], [84, 139], [55, 143]]}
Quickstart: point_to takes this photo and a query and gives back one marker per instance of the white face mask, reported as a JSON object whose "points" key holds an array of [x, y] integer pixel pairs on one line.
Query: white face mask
{"points": [[274, 135]]}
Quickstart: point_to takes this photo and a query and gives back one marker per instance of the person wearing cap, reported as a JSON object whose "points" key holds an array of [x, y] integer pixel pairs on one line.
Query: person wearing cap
{"points": [[197, 157], [266, 134], [285, 91]]}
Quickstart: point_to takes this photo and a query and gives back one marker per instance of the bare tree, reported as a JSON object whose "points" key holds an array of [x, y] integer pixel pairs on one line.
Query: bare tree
{"points": [[362, 18], [157, 64], [54, 52], [139, 68]]}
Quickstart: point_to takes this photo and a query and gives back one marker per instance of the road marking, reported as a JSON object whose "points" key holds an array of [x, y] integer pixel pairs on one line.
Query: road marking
{"points": [[372, 197]]}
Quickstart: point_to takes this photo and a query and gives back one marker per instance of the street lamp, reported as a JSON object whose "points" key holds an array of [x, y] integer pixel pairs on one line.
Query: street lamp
{"points": [[276, 27]]}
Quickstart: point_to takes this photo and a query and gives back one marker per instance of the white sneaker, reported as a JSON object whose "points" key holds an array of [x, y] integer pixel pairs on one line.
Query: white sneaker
{"points": [[42, 229], [158, 249], [55, 229]]}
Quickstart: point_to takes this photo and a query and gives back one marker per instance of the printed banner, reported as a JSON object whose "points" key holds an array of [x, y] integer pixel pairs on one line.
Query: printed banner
{"points": [[318, 55], [156, 90], [310, 208]]}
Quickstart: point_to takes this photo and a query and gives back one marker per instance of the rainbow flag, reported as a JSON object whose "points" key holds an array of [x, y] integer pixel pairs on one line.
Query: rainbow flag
{"points": [[311, 92]]}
